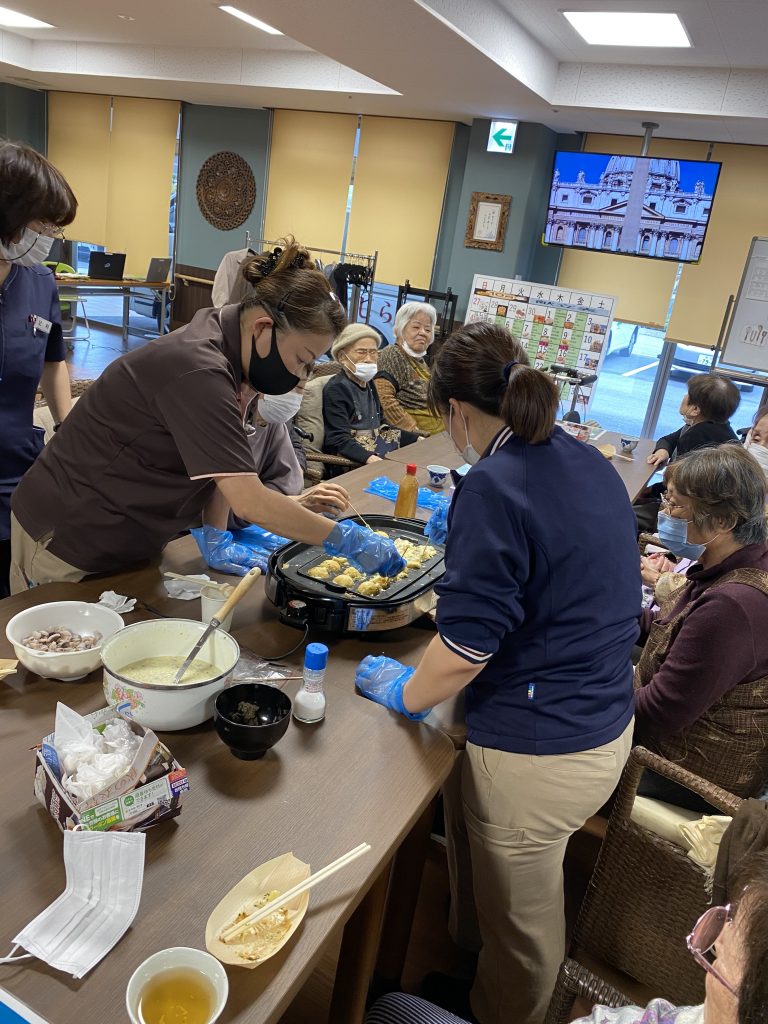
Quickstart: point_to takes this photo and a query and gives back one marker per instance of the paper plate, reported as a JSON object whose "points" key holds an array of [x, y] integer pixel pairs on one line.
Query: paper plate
{"points": [[281, 873], [608, 450]]}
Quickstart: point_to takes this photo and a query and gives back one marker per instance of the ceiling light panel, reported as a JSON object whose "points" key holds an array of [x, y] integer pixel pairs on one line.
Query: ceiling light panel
{"points": [[14, 19], [249, 19], [627, 28]]}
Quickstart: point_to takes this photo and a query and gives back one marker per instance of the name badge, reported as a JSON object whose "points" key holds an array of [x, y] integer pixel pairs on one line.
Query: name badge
{"points": [[41, 325]]}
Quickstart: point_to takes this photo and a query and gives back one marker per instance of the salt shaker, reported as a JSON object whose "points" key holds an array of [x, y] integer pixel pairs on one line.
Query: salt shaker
{"points": [[309, 702]]}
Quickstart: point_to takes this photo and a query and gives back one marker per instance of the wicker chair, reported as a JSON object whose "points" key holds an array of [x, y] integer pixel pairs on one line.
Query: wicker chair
{"points": [[643, 898], [317, 460], [577, 982]]}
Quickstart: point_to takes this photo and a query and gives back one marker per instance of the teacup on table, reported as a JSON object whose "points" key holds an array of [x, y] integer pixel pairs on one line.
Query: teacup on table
{"points": [[628, 444], [438, 475], [182, 981]]}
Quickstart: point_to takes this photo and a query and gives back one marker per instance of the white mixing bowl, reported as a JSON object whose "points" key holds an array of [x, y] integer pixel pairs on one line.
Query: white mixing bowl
{"points": [[79, 616], [166, 707]]}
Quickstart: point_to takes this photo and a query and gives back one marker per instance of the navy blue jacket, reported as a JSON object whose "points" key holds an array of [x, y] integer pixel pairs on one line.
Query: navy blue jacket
{"points": [[542, 587], [28, 292]]}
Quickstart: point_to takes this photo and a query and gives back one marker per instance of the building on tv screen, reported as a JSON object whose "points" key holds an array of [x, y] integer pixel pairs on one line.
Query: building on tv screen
{"points": [[639, 206]]}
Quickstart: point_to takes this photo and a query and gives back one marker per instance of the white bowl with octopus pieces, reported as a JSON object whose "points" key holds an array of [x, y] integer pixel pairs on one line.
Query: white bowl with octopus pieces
{"points": [[78, 616]]}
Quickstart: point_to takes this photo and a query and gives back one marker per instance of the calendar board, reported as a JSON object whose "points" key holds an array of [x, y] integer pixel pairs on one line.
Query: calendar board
{"points": [[556, 326], [746, 343]]}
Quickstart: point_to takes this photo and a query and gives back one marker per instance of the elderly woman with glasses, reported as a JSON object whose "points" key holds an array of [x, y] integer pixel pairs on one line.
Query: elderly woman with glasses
{"points": [[730, 943], [403, 377], [37, 202], [701, 685], [356, 427]]}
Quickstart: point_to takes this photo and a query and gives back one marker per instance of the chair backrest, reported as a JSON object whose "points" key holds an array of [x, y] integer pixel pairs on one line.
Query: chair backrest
{"points": [[444, 303], [646, 894], [309, 418]]}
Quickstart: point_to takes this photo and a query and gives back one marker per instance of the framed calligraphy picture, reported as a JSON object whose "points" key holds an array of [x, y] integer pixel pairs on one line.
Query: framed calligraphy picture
{"points": [[487, 221]]}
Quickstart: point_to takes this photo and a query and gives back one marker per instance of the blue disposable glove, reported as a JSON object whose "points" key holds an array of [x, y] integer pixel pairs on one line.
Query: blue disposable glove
{"points": [[366, 550], [223, 554], [437, 525], [382, 680]]}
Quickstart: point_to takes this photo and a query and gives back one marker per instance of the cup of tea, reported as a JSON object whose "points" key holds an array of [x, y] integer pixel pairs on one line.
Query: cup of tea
{"points": [[438, 475], [628, 444], [180, 983]]}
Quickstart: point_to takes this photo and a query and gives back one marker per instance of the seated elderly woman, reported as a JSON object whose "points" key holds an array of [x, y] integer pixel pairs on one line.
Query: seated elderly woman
{"points": [[730, 943], [701, 685], [403, 376], [757, 439], [355, 425]]}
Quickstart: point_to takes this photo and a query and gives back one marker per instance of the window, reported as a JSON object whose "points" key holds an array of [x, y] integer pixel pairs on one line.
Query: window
{"points": [[645, 243], [652, 205], [680, 208], [607, 239], [614, 200], [560, 233], [707, 209], [565, 197], [581, 236], [674, 246], [587, 200]]}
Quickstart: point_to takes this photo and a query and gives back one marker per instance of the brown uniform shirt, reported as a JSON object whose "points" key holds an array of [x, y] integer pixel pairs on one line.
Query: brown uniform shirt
{"points": [[133, 464]]}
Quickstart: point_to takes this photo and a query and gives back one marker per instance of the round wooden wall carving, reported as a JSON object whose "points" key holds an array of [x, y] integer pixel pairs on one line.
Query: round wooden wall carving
{"points": [[226, 190]]}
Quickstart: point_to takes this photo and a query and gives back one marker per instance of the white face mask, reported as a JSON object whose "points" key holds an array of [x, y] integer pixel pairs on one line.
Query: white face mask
{"points": [[469, 453], [364, 371], [409, 351], [279, 408], [760, 454], [104, 875], [30, 250]]}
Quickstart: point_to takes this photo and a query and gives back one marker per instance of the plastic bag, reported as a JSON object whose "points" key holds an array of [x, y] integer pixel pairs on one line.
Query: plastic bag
{"points": [[383, 487], [92, 760]]}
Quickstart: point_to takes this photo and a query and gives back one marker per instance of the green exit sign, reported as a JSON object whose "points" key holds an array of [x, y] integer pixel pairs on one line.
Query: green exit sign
{"points": [[501, 137]]}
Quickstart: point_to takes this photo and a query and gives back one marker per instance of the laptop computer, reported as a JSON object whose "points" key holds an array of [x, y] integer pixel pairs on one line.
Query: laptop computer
{"points": [[158, 270], [106, 266]]}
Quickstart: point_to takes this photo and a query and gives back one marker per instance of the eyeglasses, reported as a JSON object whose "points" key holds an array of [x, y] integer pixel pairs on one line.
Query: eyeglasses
{"points": [[361, 354], [705, 934], [669, 506], [50, 230]]}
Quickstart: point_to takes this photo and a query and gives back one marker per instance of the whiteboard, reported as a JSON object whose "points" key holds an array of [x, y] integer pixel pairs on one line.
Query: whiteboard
{"points": [[746, 343]]}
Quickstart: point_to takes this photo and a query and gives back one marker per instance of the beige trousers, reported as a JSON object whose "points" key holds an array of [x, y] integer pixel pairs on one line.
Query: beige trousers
{"points": [[32, 563], [508, 820]]}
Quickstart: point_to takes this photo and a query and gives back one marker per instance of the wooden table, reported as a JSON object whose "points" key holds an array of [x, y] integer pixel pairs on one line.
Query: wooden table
{"points": [[363, 774], [439, 449], [72, 288]]}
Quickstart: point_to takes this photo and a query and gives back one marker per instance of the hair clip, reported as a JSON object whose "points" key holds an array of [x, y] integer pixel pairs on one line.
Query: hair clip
{"points": [[270, 261], [298, 261]]}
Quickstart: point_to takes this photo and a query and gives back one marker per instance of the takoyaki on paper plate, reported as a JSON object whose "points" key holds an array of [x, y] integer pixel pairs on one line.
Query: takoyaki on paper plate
{"points": [[257, 943]]}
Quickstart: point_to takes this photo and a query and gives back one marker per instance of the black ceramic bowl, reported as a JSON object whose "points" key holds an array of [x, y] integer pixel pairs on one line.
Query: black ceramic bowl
{"points": [[270, 710]]}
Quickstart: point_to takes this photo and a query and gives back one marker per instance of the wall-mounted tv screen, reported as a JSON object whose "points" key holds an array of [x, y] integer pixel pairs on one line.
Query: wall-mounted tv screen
{"points": [[631, 205]]}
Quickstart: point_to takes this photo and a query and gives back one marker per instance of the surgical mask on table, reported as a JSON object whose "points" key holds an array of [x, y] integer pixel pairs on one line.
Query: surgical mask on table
{"points": [[279, 408], [104, 875], [30, 250], [469, 453], [673, 533]]}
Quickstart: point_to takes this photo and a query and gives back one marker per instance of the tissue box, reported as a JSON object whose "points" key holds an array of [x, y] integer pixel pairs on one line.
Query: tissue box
{"points": [[148, 793]]}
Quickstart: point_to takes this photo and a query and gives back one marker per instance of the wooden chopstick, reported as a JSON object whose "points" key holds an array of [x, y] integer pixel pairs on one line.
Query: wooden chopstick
{"points": [[319, 876], [194, 579], [359, 516]]}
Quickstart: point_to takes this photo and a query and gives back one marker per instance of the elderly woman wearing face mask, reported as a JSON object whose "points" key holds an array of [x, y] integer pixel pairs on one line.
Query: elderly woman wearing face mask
{"points": [[403, 377], [757, 439], [702, 681], [36, 203], [355, 425]]}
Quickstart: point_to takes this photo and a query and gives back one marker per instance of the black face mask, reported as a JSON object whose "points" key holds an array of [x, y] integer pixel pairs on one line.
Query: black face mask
{"points": [[269, 374]]}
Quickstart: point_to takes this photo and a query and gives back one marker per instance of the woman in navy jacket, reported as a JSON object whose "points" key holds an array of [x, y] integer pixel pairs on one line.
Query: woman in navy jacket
{"points": [[536, 618], [36, 203]]}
